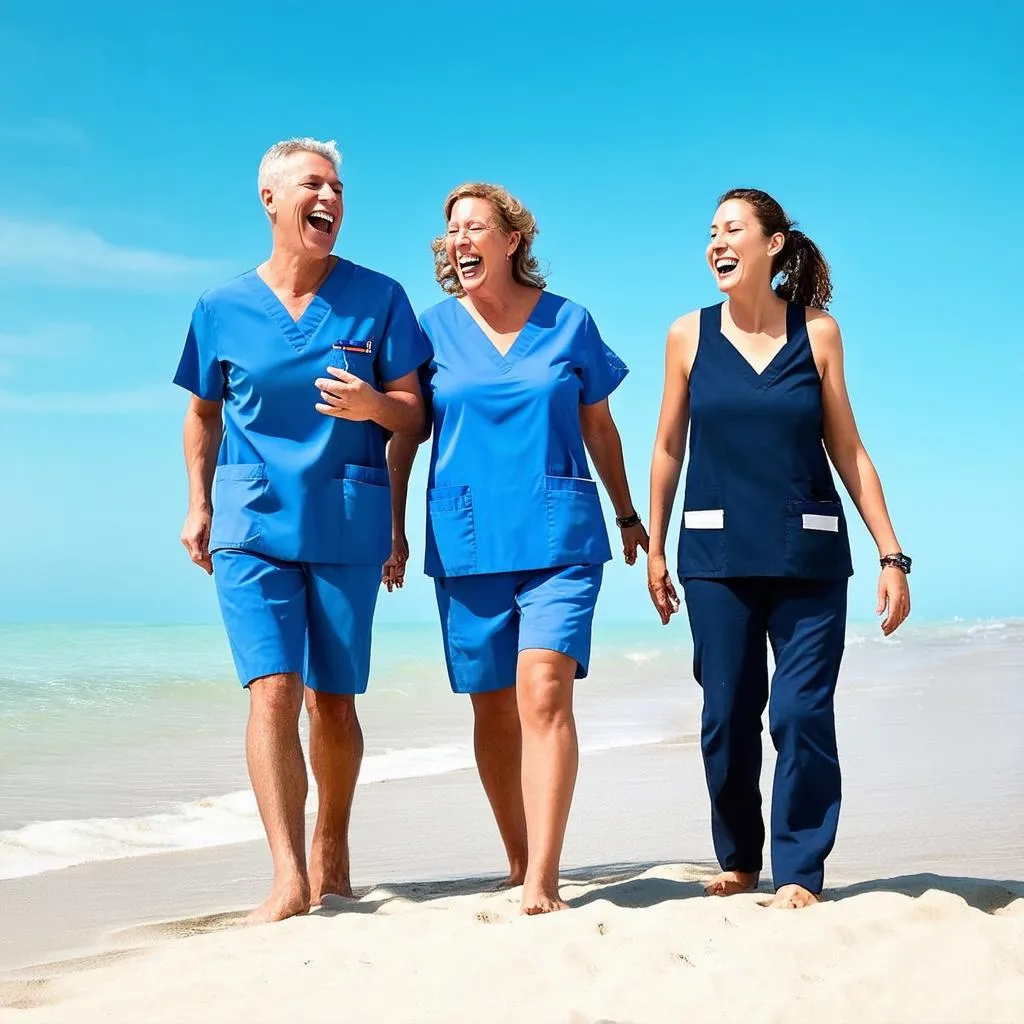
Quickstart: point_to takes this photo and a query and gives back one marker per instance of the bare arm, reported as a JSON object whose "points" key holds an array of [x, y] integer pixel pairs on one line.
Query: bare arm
{"points": [[669, 453], [202, 434], [854, 465], [401, 455], [398, 408], [601, 437]]}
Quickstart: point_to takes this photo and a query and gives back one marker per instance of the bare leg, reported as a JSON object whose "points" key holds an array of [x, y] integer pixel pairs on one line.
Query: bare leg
{"points": [[278, 775], [335, 752], [793, 897], [498, 742], [729, 883], [550, 760]]}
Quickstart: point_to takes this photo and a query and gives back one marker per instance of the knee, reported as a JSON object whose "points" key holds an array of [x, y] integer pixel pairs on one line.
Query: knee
{"points": [[496, 710], [333, 711], [545, 701], [793, 720], [278, 697]]}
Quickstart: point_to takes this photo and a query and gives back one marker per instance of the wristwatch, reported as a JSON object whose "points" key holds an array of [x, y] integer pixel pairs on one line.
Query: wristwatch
{"points": [[625, 522], [897, 561]]}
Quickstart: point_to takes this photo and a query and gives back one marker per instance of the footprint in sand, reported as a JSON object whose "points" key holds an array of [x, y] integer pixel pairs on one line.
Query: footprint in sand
{"points": [[183, 928], [26, 995]]}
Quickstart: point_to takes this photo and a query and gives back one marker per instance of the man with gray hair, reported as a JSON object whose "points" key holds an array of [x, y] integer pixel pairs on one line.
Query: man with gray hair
{"points": [[298, 370]]}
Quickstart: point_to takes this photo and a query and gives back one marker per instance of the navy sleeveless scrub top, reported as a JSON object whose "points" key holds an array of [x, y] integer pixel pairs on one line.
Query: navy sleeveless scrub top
{"points": [[759, 499]]}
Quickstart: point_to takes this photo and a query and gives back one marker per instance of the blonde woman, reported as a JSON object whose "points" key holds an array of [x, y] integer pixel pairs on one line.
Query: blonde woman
{"points": [[518, 389]]}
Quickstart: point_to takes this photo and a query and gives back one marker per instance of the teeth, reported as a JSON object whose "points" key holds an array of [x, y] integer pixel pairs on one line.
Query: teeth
{"points": [[323, 215], [725, 266], [469, 261]]}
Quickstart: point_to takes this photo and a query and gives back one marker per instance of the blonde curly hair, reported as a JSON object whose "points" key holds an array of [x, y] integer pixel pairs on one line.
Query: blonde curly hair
{"points": [[511, 216]]}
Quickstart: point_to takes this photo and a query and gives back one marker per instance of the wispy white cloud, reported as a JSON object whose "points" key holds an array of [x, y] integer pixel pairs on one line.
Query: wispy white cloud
{"points": [[46, 131], [64, 253], [54, 341], [80, 403]]}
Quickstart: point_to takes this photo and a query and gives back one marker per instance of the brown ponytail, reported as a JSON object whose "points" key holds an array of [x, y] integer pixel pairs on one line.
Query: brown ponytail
{"points": [[805, 275]]}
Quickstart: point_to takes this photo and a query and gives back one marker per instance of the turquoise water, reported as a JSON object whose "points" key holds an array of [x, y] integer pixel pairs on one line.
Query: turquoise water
{"points": [[124, 740]]}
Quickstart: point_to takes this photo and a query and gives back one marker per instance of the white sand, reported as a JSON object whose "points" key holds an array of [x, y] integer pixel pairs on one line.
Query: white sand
{"points": [[640, 947]]}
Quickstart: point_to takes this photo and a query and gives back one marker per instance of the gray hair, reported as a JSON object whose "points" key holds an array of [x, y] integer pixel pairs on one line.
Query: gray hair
{"points": [[272, 164]]}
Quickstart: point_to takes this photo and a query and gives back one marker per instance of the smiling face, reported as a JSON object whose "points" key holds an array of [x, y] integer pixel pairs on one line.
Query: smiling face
{"points": [[476, 247], [304, 204], [739, 252]]}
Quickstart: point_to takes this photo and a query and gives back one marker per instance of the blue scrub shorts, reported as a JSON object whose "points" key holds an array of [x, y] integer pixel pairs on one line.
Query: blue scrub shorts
{"points": [[311, 618], [486, 620]]}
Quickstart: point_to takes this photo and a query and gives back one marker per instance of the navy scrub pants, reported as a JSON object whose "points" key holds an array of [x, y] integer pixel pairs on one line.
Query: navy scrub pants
{"points": [[805, 623]]}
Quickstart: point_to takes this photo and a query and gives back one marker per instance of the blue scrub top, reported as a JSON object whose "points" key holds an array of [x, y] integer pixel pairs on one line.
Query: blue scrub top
{"points": [[292, 483], [509, 486]]}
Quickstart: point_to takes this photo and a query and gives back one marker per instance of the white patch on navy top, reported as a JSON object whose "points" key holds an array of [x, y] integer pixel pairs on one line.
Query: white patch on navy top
{"points": [[705, 519], [830, 524]]}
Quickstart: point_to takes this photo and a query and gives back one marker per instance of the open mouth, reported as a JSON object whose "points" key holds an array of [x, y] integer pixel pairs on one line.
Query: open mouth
{"points": [[322, 221], [469, 264], [725, 266]]}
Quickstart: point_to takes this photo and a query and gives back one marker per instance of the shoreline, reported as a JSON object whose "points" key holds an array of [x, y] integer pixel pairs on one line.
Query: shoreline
{"points": [[438, 829], [923, 918]]}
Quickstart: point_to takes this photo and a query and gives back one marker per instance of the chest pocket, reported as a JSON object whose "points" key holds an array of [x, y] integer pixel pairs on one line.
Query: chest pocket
{"points": [[356, 355]]}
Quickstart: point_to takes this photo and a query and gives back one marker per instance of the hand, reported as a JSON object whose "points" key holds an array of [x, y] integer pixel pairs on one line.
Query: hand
{"points": [[659, 585], [893, 598], [195, 535], [393, 574], [347, 397], [633, 537]]}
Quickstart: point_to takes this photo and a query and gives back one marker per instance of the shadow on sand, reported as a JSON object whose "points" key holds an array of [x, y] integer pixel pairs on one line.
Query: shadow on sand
{"points": [[633, 886]]}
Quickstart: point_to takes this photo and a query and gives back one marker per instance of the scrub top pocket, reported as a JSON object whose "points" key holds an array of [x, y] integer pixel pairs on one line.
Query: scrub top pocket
{"points": [[575, 521], [356, 357], [702, 539], [366, 510], [237, 496], [816, 539], [451, 531]]}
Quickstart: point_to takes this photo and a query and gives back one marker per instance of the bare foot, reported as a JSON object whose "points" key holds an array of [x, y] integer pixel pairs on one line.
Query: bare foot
{"points": [[284, 901], [329, 870], [337, 891], [793, 897], [322, 886], [729, 883], [541, 900], [516, 876]]}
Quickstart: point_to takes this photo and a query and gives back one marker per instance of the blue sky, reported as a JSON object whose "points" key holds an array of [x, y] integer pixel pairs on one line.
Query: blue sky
{"points": [[128, 153]]}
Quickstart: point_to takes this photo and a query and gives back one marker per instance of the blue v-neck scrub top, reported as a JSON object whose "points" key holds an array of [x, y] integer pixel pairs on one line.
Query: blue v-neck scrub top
{"points": [[509, 487], [292, 483]]}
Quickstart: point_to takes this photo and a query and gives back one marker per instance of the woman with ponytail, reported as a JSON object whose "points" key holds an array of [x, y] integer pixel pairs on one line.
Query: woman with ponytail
{"points": [[764, 556]]}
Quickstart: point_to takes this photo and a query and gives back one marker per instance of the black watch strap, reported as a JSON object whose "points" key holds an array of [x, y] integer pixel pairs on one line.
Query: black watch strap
{"points": [[897, 561], [625, 522]]}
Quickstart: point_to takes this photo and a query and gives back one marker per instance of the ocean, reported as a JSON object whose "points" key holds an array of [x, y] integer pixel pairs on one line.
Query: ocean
{"points": [[123, 741]]}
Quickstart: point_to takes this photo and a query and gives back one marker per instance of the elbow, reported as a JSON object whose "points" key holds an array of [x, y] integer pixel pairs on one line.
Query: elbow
{"points": [[421, 423], [421, 431], [668, 448], [848, 460], [597, 435], [414, 435]]}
